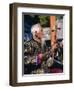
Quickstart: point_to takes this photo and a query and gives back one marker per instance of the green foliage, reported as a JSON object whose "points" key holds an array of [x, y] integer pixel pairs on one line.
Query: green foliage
{"points": [[44, 21], [59, 17]]}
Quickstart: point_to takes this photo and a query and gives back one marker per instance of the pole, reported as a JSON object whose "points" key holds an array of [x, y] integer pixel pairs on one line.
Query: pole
{"points": [[53, 31]]}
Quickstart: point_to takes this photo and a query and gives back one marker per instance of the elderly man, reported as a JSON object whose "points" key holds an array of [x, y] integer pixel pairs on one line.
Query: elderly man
{"points": [[38, 34]]}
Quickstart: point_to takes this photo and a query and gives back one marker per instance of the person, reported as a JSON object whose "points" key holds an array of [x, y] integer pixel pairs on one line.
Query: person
{"points": [[38, 35], [36, 32]]}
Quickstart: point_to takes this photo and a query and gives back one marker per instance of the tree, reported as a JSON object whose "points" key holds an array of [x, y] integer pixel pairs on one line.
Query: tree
{"points": [[44, 21]]}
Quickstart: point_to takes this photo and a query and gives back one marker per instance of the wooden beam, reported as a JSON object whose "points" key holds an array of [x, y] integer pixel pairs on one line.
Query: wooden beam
{"points": [[53, 30]]}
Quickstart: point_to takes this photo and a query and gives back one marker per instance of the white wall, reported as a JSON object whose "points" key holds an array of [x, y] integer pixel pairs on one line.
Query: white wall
{"points": [[4, 45]]}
